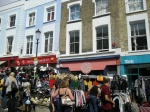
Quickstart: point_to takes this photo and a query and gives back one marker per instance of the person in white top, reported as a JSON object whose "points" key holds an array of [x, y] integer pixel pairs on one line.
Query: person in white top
{"points": [[10, 94]]}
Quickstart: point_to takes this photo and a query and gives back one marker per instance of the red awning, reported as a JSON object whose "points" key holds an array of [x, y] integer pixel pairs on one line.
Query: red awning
{"points": [[41, 60], [95, 64]]}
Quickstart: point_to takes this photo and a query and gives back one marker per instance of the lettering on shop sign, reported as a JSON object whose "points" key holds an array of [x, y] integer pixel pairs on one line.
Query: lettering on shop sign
{"points": [[129, 61]]}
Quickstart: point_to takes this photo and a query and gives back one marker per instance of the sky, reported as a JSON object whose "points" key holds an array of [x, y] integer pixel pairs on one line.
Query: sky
{"points": [[4, 2]]}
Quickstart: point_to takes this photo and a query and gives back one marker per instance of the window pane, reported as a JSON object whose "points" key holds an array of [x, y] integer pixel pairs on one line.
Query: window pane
{"points": [[51, 40], [105, 44], [105, 31], [52, 16], [99, 44], [46, 48], [76, 47], [27, 45], [99, 32], [142, 43], [74, 12], [102, 38], [71, 48], [135, 5], [142, 30], [48, 17]]}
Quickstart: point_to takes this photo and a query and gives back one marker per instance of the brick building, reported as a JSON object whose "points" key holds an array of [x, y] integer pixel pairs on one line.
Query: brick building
{"points": [[96, 34]]}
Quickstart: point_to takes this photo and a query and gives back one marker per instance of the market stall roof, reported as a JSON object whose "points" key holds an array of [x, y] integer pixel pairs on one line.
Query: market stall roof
{"points": [[63, 70]]}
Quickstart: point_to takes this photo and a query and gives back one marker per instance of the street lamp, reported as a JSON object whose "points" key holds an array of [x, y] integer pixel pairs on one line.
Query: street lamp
{"points": [[38, 32]]}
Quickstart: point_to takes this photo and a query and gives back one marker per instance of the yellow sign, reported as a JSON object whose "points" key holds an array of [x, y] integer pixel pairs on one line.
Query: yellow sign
{"points": [[35, 59]]}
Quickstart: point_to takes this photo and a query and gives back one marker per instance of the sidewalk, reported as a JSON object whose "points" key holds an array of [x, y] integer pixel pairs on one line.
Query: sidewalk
{"points": [[136, 108]]}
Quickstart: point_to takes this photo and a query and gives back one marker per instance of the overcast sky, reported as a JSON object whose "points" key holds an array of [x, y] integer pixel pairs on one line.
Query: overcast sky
{"points": [[4, 2]]}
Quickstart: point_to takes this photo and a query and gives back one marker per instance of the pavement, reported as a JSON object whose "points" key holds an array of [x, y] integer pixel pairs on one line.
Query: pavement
{"points": [[135, 107]]}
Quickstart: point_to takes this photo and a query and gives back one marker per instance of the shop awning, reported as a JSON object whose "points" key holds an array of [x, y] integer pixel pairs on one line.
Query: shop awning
{"points": [[95, 64], [1, 62]]}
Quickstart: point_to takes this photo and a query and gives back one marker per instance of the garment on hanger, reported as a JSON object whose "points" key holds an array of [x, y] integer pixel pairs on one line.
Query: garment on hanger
{"points": [[95, 83]]}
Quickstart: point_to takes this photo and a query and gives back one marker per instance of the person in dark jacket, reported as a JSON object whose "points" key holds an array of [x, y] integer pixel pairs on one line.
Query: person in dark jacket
{"points": [[94, 93]]}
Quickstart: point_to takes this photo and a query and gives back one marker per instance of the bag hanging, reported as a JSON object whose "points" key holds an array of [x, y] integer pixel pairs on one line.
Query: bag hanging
{"points": [[65, 100]]}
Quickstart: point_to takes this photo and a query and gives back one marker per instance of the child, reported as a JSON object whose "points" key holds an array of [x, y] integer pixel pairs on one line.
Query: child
{"points": [[26, 99]]}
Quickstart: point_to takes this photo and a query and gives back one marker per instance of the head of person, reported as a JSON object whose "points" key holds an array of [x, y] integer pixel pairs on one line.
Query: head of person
{"points": [[64, 84], [12, 74], [107, 81], [55, 86], [7, 71]]}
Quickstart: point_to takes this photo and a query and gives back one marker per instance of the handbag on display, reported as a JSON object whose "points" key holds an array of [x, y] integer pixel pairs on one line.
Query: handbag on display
{"points": [[65, 100]]}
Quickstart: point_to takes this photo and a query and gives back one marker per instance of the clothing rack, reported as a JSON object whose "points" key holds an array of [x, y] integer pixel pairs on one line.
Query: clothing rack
{"points": [[144, 77]]}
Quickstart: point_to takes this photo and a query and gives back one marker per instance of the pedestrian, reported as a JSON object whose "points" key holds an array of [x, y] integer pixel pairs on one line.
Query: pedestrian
{"points": [[26, 96], [64, 91], [55, 101], [4, 100], [107, 103], [94, 93], [10, 92], [1, 85]]}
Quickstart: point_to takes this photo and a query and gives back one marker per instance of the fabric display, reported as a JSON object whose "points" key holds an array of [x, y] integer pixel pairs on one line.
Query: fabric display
{"points": [[118, 83], [122, 102], [80, 99]]}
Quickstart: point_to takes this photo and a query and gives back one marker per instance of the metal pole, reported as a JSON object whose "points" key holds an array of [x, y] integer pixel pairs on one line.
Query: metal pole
{"points": [[37, 47]]}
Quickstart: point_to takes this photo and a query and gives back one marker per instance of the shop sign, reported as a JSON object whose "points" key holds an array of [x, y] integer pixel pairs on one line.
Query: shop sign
{"points": [[86, 67], [31, 61], [129, 61]]}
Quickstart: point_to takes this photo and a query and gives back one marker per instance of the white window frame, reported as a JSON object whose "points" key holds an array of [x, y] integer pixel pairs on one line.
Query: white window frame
{"points": [[49, 41], [136, 36], [72, 4], [107, 11], [28, 18], [8, 44], [76, 26], [128, 10], [45, 13], [98, 22], [31, 19], [12, 21], [0, 22], [102, 38], [74, 41], [31, 41], [8, 23], [135, 18]]}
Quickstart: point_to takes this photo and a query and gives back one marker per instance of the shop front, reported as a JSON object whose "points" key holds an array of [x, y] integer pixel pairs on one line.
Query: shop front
{"points": [[8, 61], [43, 60], [135, 66], [104, 65]]}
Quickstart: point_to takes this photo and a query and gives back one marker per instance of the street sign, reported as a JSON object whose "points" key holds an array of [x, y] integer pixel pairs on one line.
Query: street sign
{"points": [[86, 67], [35, 61]]}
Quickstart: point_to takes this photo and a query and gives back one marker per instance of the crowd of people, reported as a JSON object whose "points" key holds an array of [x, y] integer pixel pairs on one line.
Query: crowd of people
{"points": [[10, 89], [12, 93]]}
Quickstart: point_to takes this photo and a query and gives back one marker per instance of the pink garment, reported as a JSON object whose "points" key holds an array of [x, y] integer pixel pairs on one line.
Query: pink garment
{"points": [[144, 109]]}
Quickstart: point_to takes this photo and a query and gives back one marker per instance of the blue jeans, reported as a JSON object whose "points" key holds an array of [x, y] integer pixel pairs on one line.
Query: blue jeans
{"points": [[4, 102], [93, 107]]}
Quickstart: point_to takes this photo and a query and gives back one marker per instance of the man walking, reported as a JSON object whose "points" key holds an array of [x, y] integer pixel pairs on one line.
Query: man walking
{"points": [[107, 103]]}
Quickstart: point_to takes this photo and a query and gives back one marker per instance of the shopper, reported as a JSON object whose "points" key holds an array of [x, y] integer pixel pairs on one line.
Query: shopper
{"points": [[1, 85], [61, 92], [106, 100], [4, 100], [94, 93], [55, 101], [11, 93]]}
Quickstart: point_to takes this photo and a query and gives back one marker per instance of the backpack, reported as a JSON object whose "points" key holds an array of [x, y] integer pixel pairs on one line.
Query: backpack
{"points": [[14, 87]]}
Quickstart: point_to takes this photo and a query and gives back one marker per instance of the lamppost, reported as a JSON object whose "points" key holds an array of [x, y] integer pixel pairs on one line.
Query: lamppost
{"points": [[38, 32]]}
